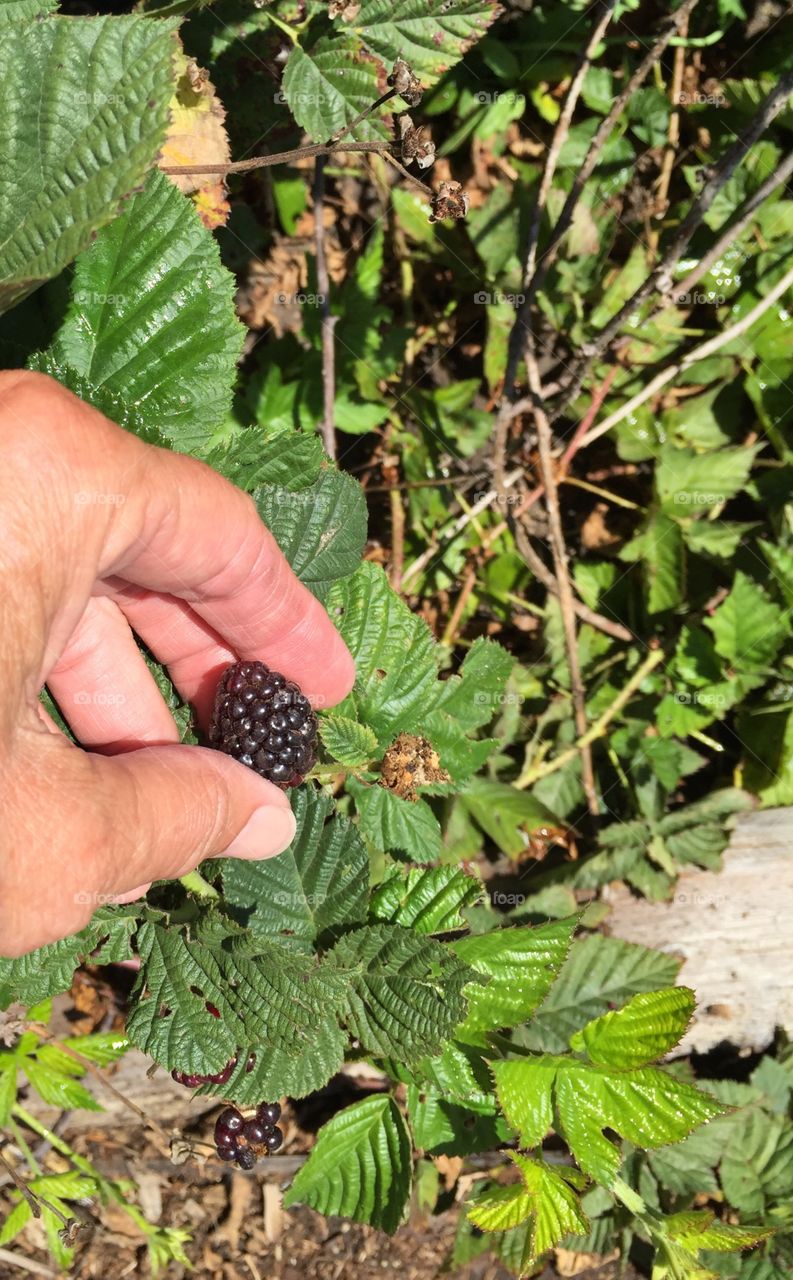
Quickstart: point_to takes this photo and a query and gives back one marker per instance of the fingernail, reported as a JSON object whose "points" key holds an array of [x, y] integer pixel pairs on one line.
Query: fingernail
{"points": [[267, 832]]}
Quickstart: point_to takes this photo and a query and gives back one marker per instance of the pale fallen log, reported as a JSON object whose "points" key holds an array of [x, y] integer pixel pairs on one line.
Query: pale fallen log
{"points": [[734, 929]]}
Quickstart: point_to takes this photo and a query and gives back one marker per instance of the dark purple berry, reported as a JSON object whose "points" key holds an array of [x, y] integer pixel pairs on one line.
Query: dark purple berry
{"points": [[222, 1076], [268, 1113], [249, 1065], [263, 720], [255, 1132], [230, 1120], [228, 1153], [273, 1139], [224, 1137], [245, 1158]]}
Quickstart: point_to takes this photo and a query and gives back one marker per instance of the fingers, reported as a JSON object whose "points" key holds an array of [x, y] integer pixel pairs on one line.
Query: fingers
{"points": [[239, 583], [168, 523], [81, 830], [104, 688], [184, 643]]}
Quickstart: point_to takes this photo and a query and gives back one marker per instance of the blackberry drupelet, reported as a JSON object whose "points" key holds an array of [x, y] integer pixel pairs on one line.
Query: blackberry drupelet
{"points": [[263, 720]]}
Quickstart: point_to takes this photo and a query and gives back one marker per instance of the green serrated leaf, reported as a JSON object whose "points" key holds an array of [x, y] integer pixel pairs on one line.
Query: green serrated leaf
{"points": [[404, 991], [646, 1028], [521, 963], [327, 85], [757, 1166], [390, 822], [426, 900], [169, 1019], [690, 483], [443, 1127], [321, 881], [476, 694], [431, 42], [659, 546], [506, 814], [287, 460], [346, 740], [545, 1200], [124, 332], [101, 1047], [84, 103], [748, 628], [321, 529], [395, 655], [57, 1089], [599, 972], [48, 970], [360, 1166], [646, 1106]]}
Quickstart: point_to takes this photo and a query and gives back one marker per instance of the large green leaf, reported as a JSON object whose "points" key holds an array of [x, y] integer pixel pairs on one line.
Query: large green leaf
{"points": [[328, 84], [404, 990], [443, 1127], [506, 814], [431, 40], [321, 529], [748, 627], [152, 317], [428, 900], [476, 694], [49, 970], [321, 881], [394, 653], [360, 1166], [599, 973], [691, 483], [659, 546], [647, 1106], [757, 1167], [545, 1199], [646, 1028], [251, 458], [521, 964], [393, 823], [84, 105]]}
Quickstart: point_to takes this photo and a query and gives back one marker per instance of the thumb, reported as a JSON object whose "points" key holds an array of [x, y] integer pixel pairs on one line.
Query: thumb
{"points": [[85, 829]]}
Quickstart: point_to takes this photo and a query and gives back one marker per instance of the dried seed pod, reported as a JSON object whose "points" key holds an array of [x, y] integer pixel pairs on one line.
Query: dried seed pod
{"points": [[416, 144], [449, 201], [406, 82]]}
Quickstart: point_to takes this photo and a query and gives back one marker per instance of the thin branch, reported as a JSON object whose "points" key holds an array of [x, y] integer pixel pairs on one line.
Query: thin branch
{"points": [[279, 157], [517, 336], [562, 568], [602, 136], [598, 728], [362, 115], [328, 322], [660, 278], [738, 224], [672, 138], [692, 357], [27, 1264]]}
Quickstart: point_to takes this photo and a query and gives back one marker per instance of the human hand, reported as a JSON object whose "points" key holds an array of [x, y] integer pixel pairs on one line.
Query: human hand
{"points": [[101, 535]]}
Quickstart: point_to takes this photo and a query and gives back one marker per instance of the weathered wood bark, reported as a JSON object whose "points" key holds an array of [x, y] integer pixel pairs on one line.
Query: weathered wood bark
{"points": [[734, 929]]}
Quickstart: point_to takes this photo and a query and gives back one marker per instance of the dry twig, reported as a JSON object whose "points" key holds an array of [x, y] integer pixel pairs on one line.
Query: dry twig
{"points": [[328, 322]]}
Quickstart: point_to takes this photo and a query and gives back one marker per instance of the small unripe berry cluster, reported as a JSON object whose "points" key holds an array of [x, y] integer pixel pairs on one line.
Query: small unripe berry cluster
{"points": [[242, 1141]]}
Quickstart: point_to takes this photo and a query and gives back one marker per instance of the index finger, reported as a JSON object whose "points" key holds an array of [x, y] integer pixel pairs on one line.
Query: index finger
{"points": [[176, 527]]}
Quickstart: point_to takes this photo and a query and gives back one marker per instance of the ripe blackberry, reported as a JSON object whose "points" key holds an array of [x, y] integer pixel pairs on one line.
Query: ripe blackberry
{"points": [[255, 1132], [231, 1120], [268, 1113], [273, 1139], [245, 1158], [263, 720]]}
